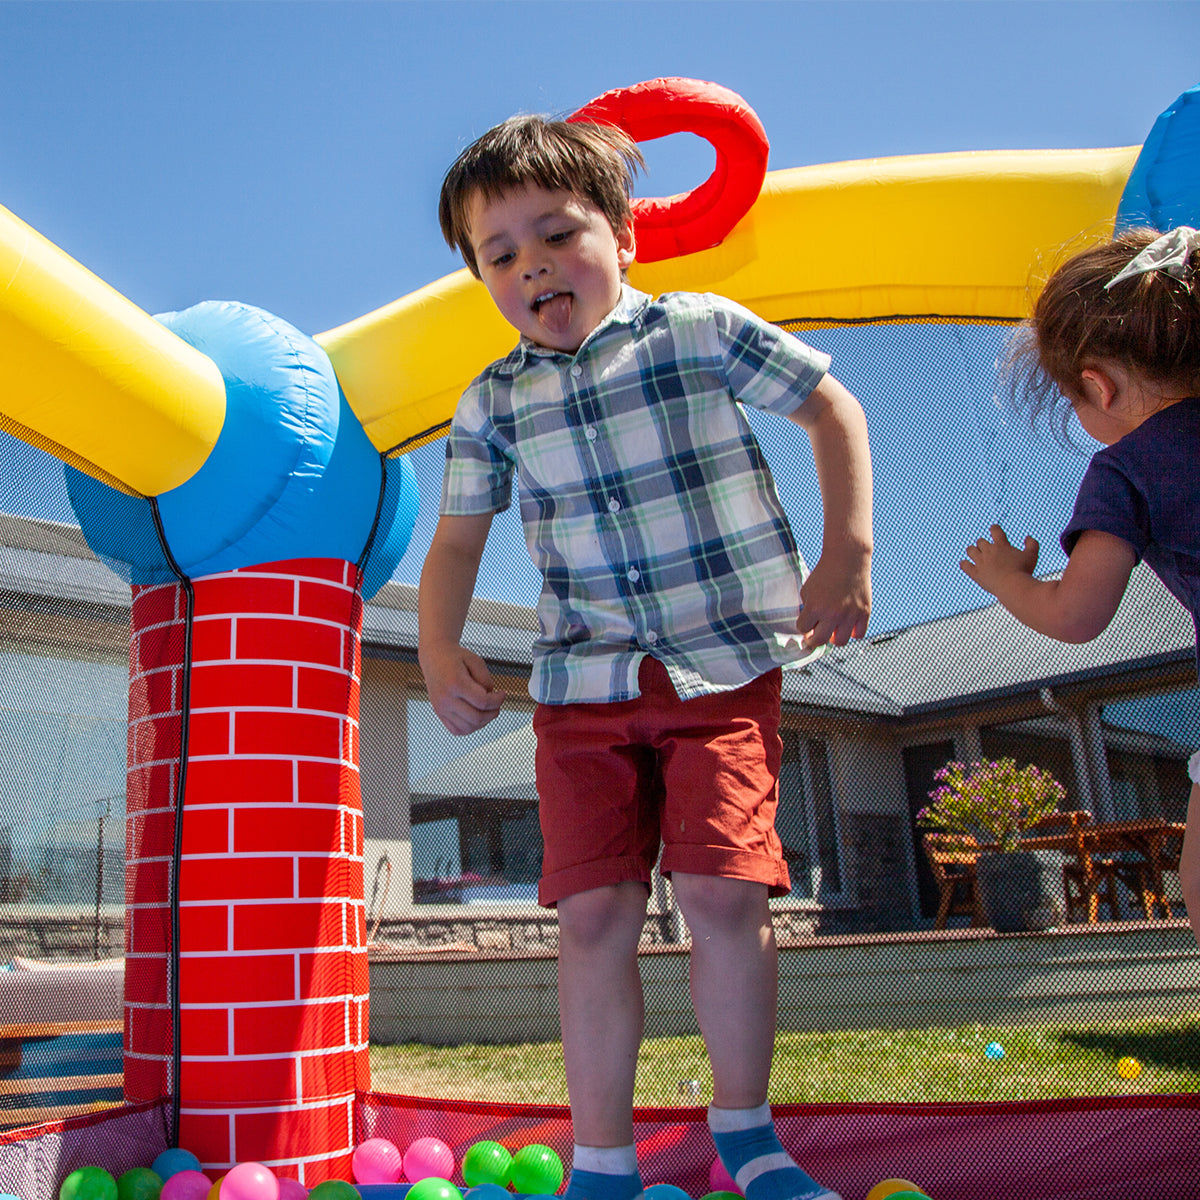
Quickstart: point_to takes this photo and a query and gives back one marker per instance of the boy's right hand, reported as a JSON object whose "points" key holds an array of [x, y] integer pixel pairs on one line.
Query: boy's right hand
{"points": [[460, 688]]}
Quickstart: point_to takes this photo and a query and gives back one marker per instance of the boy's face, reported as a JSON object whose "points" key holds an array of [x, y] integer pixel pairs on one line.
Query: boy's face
{"points": [[551, 262]]}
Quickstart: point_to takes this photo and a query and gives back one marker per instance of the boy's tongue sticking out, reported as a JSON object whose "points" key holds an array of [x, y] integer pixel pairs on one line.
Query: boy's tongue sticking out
{"points": [[554, 311]]}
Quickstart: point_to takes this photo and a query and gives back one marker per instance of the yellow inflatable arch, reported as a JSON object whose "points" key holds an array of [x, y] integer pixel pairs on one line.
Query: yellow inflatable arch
{"points": [[951, 235], [96, 381]]}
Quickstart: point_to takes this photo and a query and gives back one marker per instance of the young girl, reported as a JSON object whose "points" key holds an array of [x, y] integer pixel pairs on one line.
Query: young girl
{"points": [[1115, 337]]}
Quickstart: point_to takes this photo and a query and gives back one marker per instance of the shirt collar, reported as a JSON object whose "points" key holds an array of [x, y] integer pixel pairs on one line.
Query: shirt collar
{"points": [[624, 313]]}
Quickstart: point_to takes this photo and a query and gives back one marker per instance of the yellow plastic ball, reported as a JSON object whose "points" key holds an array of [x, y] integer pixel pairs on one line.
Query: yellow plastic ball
{"points": [[889, 1187], [1128, 1067]]}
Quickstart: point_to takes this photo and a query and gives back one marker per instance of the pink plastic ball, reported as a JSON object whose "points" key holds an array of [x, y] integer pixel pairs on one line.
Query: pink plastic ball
{"points": [[186, 1185], [428, 1157], [376, 1161], [719, 1179], [291, 1189], [250, 1181]]}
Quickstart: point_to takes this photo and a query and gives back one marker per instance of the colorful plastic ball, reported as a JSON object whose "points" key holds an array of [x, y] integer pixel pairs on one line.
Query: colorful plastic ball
{"points": [[186, 1185], [334, 1189], [721, 1196], [488, 1191], [907, 1195], [720, 1180], [665, 1191], [214, 1192], [139, 1183], [291, 1189], [377, 1161], [171, 1162], [994, 1051], [88, 1183], [1128, 1067], [432, 1188], [486, 1162], [890, 1188], [428, 1157], [250, 1181], [536, 1169]]}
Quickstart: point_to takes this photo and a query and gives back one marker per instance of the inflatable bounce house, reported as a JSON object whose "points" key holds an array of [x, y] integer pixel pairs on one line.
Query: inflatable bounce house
{"points": [[249, 485]]}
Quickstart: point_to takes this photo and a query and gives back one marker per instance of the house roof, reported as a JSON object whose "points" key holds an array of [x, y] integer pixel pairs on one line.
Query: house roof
{"points": [[952, 662], [980, 654]]}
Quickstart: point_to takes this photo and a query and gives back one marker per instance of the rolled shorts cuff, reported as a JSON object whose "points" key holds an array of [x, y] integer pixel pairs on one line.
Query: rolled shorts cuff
{"points": [[604, 872], [727, 863], [1194, 767]]}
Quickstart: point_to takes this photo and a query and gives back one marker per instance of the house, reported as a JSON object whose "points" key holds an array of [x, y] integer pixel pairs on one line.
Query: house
{"points": [[452, 838]]}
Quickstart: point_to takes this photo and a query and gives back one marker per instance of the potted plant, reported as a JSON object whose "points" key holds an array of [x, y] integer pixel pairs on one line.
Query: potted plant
{"points": [[994, 802]]}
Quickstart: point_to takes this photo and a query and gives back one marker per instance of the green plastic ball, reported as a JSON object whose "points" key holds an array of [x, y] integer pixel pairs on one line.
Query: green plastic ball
{"points": [[335, 1189], [536, 1170], [139, 1183], [721, 1196], [433, 1188], [88, 1183], [486, 1162], [908, 1196]]}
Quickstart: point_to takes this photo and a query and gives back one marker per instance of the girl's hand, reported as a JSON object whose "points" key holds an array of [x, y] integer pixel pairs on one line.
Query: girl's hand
{"points": [[991, 562], [1073, 608]]}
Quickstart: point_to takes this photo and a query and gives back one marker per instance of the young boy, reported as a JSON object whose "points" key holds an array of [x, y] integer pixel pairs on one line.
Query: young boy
{"points": [[672, 593]]}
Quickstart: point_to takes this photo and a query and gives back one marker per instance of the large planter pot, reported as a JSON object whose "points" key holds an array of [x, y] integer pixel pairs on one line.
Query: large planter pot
{"points": [[1022, 890]]}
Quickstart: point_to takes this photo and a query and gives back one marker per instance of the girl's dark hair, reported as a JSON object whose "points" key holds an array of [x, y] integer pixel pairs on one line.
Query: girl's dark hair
{"points": [[597, 162], [1149, 323]]}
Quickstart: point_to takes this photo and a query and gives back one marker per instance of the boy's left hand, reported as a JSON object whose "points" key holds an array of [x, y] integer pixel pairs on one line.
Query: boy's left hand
{"points": [[837, 599]]}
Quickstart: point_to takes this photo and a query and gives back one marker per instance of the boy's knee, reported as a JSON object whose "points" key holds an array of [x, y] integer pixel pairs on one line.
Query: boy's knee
{"points": [[715, 900], [600, 915]]}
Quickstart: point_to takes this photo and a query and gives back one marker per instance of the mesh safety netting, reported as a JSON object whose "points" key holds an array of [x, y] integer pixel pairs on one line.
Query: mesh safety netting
{"points": [[1062, 1058]]}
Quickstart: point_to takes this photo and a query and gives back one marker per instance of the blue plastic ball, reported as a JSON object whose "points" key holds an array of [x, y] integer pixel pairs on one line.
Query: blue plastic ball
{"points": [[994, 1050], [488, 1191], [170, 1162], [666, 1191]]}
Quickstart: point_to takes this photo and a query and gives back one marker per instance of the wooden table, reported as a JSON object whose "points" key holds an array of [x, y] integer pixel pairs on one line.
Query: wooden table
{"points": [[1151, 844]]}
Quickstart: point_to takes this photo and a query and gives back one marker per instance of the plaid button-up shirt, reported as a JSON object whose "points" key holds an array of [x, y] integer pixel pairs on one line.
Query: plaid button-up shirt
{"points": [[646, 501]]}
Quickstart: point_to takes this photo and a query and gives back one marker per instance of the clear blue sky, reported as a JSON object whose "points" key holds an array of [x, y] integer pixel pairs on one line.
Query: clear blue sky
{"points": [[289, 155]]}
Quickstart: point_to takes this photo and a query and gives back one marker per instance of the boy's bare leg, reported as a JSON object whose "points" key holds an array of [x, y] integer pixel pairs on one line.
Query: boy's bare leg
{"points": [[735, 982], [601, 1007], [735, 991]]}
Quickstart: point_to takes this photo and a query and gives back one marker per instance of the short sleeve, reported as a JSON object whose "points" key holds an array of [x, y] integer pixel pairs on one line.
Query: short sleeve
{"points": [[767, 367], [1109, 502], [478, 476]]}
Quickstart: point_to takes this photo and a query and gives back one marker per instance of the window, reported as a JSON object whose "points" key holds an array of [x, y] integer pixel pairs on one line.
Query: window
{"points": [[807, 818]]}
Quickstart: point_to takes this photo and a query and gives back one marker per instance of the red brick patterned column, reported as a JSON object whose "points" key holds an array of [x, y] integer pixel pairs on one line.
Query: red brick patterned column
{"points": [[273, 969], [156, 681]]}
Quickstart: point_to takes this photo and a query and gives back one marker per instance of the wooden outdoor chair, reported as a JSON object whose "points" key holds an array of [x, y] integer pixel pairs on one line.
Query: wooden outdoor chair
{"points": [[952, 859], [1109, 869]]}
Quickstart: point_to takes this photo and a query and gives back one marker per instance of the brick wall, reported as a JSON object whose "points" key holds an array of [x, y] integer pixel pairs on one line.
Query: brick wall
{"points": [[273, 972]]}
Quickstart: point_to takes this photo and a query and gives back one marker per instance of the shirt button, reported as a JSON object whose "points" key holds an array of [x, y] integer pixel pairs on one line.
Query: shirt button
{"points": [[633, 574], [590, 433], [577, 370], [614, 505], [651, 636]]}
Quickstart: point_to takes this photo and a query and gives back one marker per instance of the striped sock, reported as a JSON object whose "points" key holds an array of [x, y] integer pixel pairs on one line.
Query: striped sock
{"points": [[753, 1156], [604, 1173]]}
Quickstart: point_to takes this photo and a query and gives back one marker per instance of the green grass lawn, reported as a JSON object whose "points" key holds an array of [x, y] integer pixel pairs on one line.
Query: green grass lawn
{"points": [[871, 1065]]}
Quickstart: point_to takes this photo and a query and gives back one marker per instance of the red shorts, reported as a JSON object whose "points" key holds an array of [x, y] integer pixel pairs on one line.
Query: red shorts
{"points": [[700, 776]]}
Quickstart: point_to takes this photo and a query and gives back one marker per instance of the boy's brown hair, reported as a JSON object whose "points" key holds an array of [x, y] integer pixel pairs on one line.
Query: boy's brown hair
{"points": [[1149, 323], [597, 162]]}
